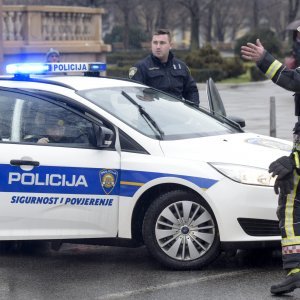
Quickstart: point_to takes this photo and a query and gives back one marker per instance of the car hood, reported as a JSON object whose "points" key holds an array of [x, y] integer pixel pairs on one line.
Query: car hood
{"points": [[241, 148]]}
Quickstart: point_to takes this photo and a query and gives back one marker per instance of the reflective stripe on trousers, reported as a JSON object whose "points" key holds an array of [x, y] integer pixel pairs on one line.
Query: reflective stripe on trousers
{"points": [[288, 213]]}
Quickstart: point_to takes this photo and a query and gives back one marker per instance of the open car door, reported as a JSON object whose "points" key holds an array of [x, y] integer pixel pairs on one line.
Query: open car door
{"points": [[216, 105]]}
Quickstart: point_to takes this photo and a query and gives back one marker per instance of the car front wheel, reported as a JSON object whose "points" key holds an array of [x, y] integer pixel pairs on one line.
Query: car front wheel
{"points": [[180, 231]]}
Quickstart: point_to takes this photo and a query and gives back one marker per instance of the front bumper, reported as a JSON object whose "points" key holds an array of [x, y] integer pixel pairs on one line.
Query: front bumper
{"points": [[244, 213]]}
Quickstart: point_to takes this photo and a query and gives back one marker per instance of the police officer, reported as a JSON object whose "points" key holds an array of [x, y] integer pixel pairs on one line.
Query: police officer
{"points": [[52, 56], [286, 168], [163, 71]]}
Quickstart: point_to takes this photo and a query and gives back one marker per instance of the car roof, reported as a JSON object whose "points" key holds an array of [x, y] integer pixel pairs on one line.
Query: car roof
{"points": [[85, 82], [72, 82]]}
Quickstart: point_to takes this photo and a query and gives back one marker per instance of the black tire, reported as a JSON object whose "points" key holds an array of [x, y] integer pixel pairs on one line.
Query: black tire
{"points": [[189, 245], [6, 246]]}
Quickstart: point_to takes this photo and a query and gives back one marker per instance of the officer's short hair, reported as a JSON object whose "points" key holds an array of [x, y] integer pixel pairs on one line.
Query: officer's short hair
{"points": [[163, 31]]}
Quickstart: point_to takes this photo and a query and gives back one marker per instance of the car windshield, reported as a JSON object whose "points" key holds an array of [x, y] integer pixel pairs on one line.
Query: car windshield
{"points": [[157, 114]]}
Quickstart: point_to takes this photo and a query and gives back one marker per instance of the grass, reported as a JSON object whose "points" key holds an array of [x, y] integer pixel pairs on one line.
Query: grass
{"points": [[246, 77], [240, 79]]}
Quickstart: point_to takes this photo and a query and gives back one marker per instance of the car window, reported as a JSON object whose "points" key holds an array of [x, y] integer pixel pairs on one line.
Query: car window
{"points": [[27, 119], [156, 114], [6, 115]]}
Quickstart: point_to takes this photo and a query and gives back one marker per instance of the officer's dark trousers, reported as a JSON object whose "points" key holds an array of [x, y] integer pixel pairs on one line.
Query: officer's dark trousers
{"points": [[288, 213]]}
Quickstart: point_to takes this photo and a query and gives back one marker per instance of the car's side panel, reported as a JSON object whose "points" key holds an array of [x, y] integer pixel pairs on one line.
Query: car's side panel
{"points": [[139, 175], [67, 196]]}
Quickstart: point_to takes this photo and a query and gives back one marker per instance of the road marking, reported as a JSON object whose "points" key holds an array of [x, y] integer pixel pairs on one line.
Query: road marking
{"points": [[170, 285]]}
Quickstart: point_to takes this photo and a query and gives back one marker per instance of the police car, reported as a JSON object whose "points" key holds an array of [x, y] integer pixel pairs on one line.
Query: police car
{"points": [[88, 159]]}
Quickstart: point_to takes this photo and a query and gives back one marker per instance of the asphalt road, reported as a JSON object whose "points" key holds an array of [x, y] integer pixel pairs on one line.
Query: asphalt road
{"points": [[100, 272]]}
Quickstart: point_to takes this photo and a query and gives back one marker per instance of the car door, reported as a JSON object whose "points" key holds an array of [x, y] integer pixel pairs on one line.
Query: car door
{"points": [[51, 186], [216, 105], [215, 102]]}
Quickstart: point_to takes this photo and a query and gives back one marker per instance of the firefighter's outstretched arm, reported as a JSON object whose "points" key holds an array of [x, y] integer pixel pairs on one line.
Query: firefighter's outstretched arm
{"points": [[271, 67]]}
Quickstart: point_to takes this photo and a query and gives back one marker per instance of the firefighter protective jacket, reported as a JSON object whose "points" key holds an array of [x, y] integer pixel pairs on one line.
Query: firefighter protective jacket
{"points": [[279, 73], [288, 210]]}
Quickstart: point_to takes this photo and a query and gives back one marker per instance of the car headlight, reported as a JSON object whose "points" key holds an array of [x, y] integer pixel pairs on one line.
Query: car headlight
{"points": [[245, 174]]}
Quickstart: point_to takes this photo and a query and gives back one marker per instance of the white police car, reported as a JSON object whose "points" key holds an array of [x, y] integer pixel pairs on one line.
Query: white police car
{"points": [[98, 160]]}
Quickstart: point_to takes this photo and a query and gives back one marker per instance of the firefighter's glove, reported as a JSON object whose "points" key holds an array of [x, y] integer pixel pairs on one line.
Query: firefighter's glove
{"points": [[285, 185], [296, 135], [283, 168]]}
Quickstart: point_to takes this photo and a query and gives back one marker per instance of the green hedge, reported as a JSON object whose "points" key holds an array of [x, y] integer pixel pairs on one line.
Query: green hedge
{"points": [[204, 63], [121, 56], [121, 72], [269, 39], [256, 74], [202, 75]]}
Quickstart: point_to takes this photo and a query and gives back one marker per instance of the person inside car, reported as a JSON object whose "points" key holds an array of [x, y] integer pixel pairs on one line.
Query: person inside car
{"points": [[55, 133]]}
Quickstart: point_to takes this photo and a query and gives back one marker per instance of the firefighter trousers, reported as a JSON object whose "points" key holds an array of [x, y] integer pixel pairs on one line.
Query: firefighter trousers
{"points": [[288, 213]]}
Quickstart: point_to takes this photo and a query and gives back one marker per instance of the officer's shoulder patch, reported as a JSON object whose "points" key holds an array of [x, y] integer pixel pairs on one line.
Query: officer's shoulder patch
{"points": [[188, 70], [132, 72]]}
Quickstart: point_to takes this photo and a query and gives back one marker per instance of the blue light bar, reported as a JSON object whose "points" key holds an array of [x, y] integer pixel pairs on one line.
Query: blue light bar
{"points": [[50, 68], [27, 68]]}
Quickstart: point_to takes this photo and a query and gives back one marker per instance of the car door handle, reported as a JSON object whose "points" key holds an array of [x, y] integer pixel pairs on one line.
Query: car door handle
{"points": [[20, 162]]}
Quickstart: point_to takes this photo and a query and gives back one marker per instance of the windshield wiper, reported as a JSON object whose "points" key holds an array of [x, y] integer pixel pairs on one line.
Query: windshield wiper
{"points": [[145, 115], [228, 121]]}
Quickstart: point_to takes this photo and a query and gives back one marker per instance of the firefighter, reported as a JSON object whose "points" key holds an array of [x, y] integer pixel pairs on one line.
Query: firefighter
{"points": [[286, 168], [163, 71]]}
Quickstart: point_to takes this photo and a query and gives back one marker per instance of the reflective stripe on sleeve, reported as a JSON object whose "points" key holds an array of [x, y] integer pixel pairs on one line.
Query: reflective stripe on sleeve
{"points": [[296, 157], [274, 67]]}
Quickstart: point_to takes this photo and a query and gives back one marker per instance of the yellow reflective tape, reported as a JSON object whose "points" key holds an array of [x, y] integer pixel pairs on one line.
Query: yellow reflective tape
{"points": [[131, 183], [288, 222], [293, 271], [296, 157], [274, 67], [289, 209], [290, 241]]}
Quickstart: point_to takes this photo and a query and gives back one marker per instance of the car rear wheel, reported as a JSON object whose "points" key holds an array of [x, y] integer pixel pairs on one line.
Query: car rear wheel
{"points": [[180, 231]]}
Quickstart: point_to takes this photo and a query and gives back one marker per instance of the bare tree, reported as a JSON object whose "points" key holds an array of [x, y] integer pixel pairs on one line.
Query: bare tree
{"points": [[229, 17], [293, 9], [211, 19], [162, 20], [239, 13], [255, 14], [125, 7], [221, 18], [147, 14], [209, 27], [194, 10], [155, 14]]}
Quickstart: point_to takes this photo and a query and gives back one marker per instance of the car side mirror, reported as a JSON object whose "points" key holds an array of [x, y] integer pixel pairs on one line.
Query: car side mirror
{"points": [[238, 120], [104, 136]]}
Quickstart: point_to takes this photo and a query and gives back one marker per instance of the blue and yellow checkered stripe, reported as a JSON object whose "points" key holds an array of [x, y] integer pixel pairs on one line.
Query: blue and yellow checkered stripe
{"points": [[131, 181]]}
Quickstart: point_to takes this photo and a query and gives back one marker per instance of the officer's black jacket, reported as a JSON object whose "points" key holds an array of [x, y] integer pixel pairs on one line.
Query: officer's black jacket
{"points": [[172, 77]]}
